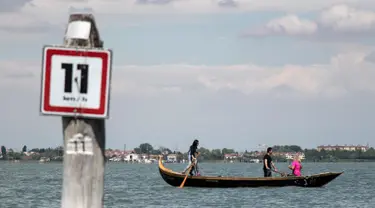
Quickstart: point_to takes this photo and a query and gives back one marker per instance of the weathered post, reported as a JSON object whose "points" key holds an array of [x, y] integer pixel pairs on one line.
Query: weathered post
{"points": [[76, 85]]}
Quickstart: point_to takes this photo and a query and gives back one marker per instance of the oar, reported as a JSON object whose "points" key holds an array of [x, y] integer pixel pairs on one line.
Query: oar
{"points": [[188, 172], [282, 174]]}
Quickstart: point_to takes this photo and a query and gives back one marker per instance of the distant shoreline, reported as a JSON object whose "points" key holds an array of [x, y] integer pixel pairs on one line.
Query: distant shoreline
{"points": [[210, 161], [339, 161]]}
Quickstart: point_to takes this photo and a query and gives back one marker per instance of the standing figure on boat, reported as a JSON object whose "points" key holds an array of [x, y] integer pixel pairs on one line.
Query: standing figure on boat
{"points": [[296, 165], [268, 164], [192, 154]]}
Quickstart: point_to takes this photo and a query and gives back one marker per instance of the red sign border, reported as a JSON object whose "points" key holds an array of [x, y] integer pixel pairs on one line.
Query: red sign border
{"points": [[102, 111]]}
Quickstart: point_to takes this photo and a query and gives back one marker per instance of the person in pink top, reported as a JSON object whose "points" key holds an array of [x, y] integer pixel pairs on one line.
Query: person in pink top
{"points": [[296, 166]]}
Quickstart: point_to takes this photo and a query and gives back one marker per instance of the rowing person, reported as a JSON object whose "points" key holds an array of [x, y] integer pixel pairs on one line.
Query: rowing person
{"points": [[296, 165], [192, 154], [268, 164]]}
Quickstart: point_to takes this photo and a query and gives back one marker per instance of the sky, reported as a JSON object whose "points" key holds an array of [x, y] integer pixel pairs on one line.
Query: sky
{"points": [[240, 74]]}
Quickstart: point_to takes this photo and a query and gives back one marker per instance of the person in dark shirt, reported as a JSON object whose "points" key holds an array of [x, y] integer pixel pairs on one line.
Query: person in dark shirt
{"points": [[268, 164], [192, 153]]}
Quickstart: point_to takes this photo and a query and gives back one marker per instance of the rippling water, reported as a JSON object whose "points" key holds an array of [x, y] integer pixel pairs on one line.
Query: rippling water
{"points": [[29, 185]]}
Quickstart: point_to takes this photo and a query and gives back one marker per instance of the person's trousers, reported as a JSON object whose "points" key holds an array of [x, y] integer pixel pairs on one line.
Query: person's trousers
{"points": [[267, 172], [194, 168]]}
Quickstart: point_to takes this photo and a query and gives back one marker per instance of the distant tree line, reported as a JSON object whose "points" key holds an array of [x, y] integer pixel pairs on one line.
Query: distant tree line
{"points": [[339, 155], [3, 152], [52, 153], [207, 154], [310, 154]]}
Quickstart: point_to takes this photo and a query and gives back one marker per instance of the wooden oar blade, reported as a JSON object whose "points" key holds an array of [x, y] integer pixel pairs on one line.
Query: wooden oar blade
{"points": [[188, 172]]}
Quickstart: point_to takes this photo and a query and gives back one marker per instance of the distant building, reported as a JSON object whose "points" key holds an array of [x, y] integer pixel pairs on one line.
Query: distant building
{"points": [[343, 147], [131, 157], [117, 153], [172, 158], [230, 156], [154, 157], [290, 155], [143, 156], [30, 153]]}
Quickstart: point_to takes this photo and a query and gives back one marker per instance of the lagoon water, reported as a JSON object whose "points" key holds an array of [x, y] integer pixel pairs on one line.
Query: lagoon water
{"points": [[34, 185]]}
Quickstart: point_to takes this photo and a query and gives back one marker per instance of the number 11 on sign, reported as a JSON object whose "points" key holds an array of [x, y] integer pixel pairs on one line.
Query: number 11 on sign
{"points": [[76, 80], [68, 84]]}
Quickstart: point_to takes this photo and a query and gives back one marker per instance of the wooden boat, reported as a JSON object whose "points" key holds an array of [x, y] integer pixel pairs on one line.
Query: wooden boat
{"points": [[175, 179]]}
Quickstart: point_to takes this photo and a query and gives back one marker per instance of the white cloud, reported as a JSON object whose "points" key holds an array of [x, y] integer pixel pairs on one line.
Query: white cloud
{"points": [[344, 18], [19, 74], [339, 18], [27, 23], [56, 10], [371, 57], [156, 99], [346, 73], [40, 16], [290, 24], [7, 6]]}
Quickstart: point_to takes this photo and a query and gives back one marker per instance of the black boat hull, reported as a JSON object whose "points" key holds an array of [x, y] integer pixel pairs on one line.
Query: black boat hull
{"points": [[175, 179]]}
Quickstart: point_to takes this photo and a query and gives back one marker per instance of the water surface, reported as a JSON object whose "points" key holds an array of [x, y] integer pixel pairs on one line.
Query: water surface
{"points": [[29, 185]]}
